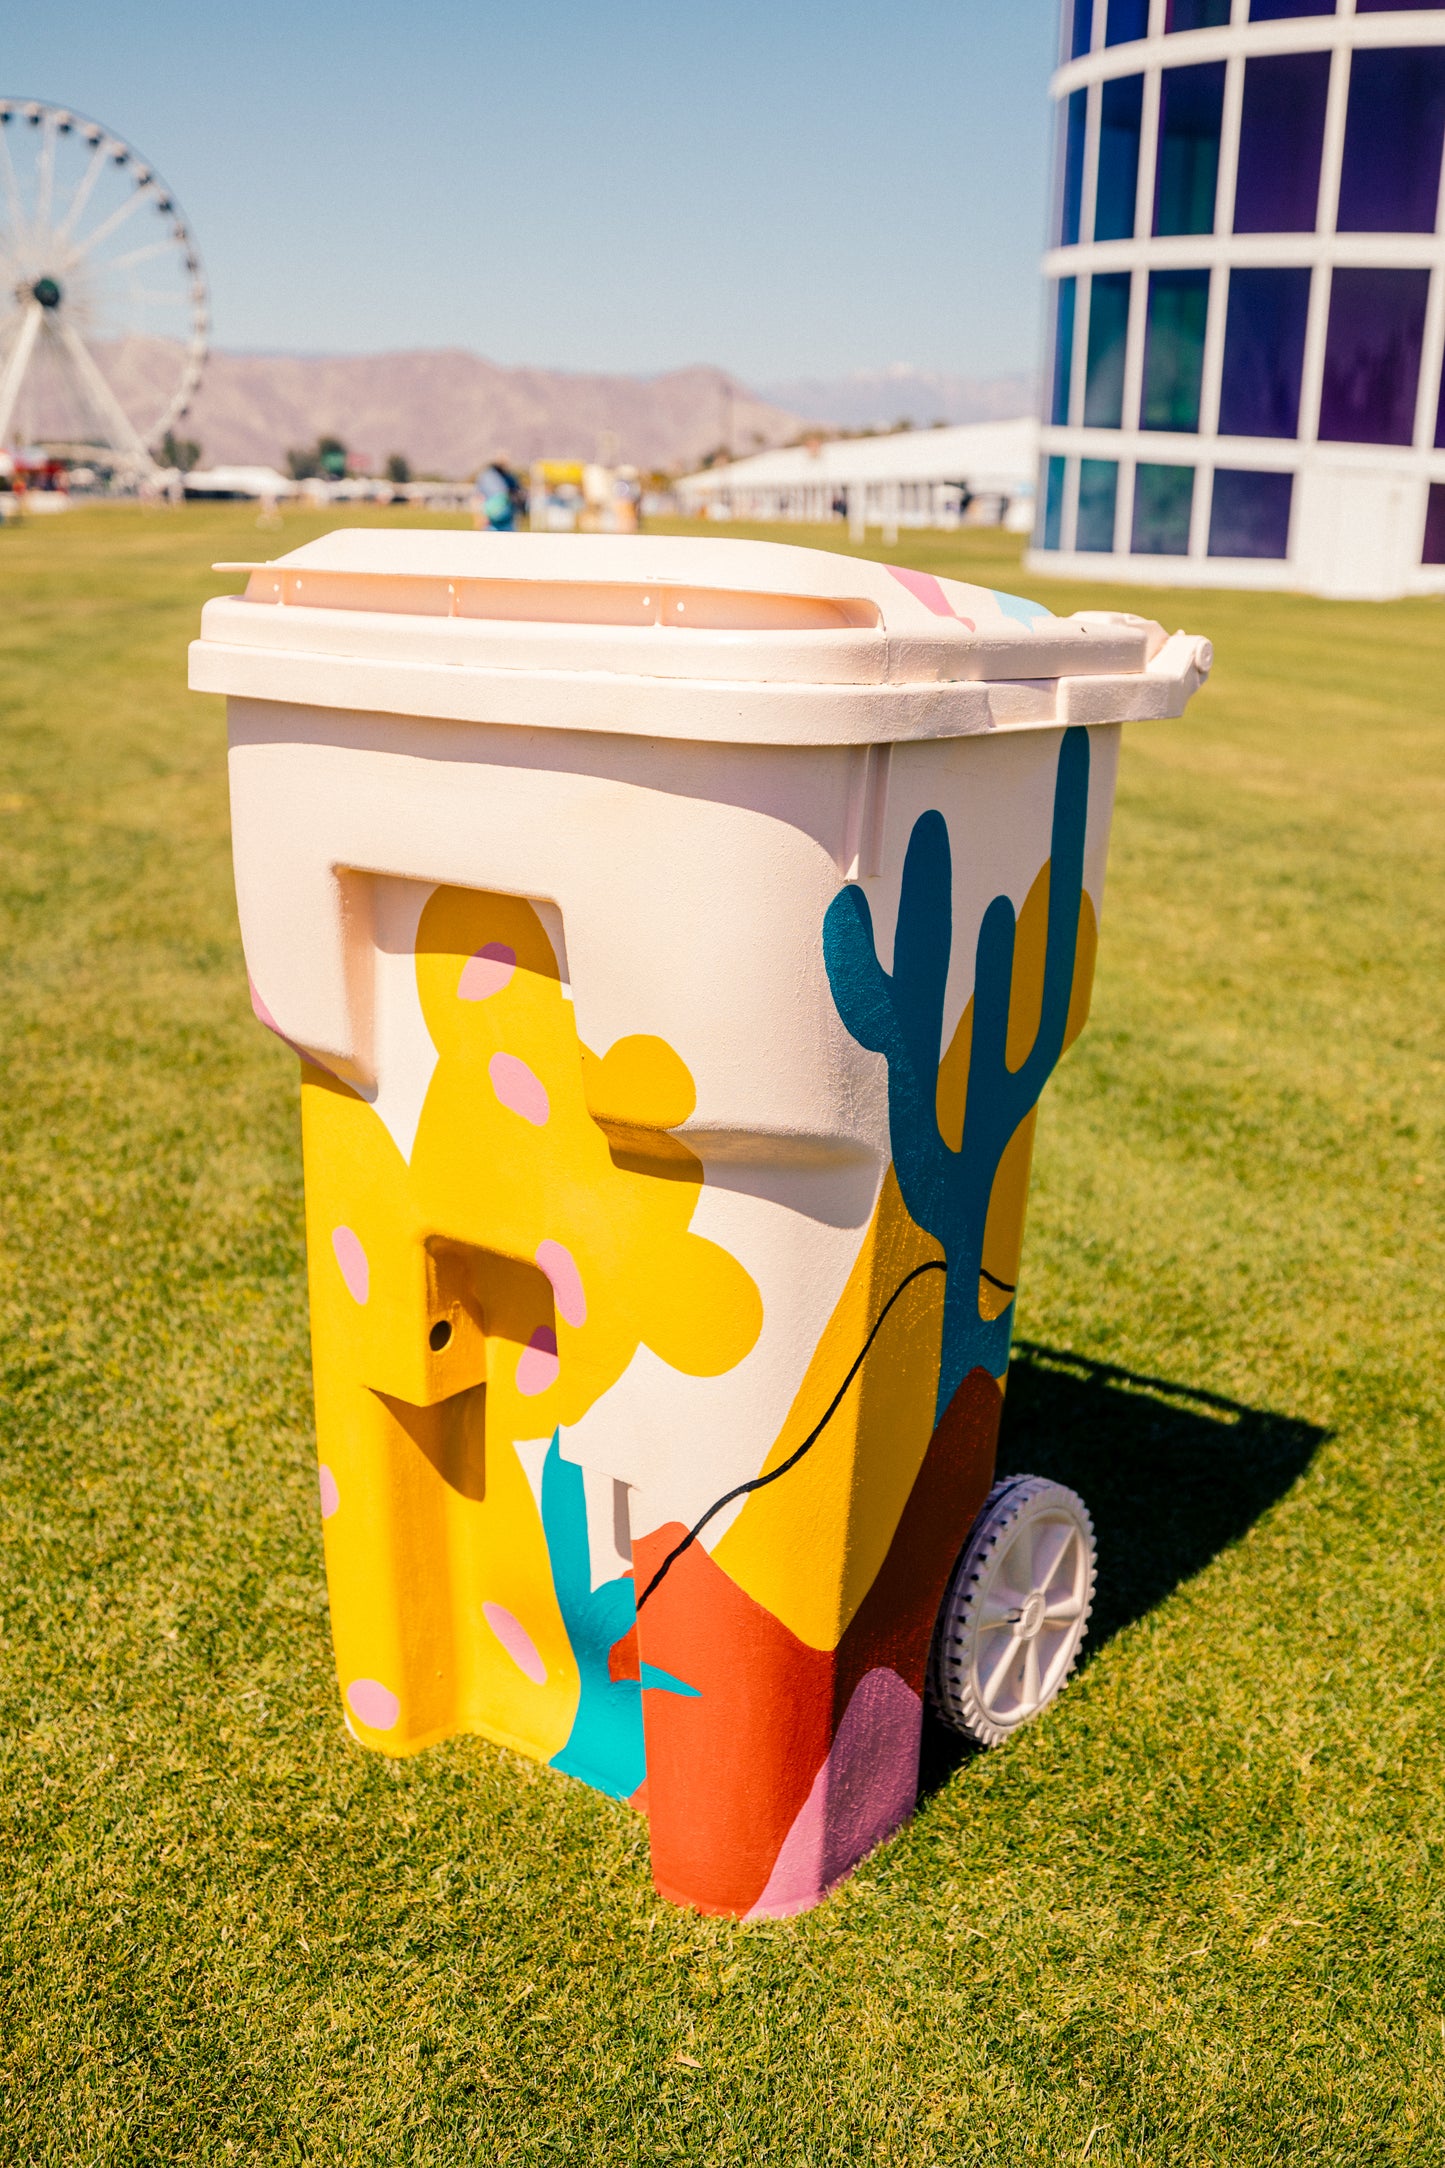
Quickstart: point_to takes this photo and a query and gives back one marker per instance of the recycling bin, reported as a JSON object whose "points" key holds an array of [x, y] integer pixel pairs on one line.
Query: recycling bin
{"points": [[676, 936]]}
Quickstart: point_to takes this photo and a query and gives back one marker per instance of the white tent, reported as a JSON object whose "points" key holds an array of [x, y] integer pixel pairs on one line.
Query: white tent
{"points": [[911, 478], [258, 482]]}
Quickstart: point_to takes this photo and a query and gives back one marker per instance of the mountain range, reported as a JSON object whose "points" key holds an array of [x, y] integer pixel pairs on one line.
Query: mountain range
{"points": [[448, 412]]}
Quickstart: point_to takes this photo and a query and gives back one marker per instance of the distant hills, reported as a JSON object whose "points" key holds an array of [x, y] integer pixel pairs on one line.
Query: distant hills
{"points": [[449, 412], [879, 398]]}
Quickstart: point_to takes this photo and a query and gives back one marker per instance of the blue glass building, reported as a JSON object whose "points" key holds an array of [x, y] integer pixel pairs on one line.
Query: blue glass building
{"points": [[1246, 296]]}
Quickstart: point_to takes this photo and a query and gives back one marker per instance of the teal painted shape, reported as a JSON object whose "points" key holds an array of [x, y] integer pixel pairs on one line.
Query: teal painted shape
{"points": [[605, 1745], [1018, 606], [899, 1014], [653, 1675]]}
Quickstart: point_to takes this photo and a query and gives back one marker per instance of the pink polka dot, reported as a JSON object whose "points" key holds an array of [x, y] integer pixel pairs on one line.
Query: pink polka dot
{"points": [[516, 1640], [518, 1089], [373, 1704], [330, 1495], [560, 1267], [538, 1366], [352, 1259], [487, 972]]}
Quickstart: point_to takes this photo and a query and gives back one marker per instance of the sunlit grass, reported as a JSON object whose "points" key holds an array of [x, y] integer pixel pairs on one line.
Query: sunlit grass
{"points": [[1193, 1916]]}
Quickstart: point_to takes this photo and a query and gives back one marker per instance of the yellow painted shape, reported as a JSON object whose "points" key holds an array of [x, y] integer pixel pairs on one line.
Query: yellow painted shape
{"points": [[1086, 952], [435, 1518], [434, 1515], [1003, 1230], [488, 1174], [809, 1547]]}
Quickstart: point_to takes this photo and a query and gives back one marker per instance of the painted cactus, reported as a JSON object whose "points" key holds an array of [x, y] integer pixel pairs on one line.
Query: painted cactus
{"points": [[899, 1014]]}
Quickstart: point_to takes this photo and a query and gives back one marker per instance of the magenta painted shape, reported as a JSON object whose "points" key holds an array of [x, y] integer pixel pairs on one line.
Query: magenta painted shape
{"points": [[519, 1089], [263, 1014], [487, 972], [927, 590], [560, 1267], [863, 1792], [353, 1262], [373, 1704], [537, 1365], [330, 1495], [517, 1642]]}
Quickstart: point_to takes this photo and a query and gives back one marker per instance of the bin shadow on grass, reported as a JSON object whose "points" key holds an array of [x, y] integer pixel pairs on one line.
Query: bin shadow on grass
{"points": [[1172, 1476]]}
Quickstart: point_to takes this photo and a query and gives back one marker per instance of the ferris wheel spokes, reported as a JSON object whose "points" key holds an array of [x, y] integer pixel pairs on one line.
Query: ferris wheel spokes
{"points": [[17, 361], [84, 188], [11, 182], [92, 241], [108, 409], [46, 177]]}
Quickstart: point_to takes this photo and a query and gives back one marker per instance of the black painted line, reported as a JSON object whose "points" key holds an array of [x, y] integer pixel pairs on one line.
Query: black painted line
{"points": [[760, 1482]]}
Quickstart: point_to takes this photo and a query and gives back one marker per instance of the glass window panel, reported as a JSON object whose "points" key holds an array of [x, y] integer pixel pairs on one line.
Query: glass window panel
{"points": [[1063, 350], [1191, 106], [1394, 128], [1372, 355], [1072, 193], [1434, 551], [1196, 14], [1051, 504], [1082, 36], [1249, 516], [1121, 110], [1108, 337], [1163, 502], [1440, 416], [1125, 21], [1395, 7], [1281, 136], [1174, 349], [1274, 11], [1264, 352], [1098, 494]]}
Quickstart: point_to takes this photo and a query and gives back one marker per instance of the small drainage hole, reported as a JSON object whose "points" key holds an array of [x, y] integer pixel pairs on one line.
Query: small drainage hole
{"points": [[440, 1333]]}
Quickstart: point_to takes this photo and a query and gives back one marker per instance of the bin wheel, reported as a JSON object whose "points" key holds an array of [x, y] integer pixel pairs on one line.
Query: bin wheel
{"points": [[1017, 1606]]}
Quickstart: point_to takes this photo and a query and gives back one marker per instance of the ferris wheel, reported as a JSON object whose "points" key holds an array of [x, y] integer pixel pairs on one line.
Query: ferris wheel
{"points": [[103, 308]]}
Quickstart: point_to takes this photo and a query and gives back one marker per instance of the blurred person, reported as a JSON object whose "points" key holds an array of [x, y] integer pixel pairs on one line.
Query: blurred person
{"points": [[498, 496]]}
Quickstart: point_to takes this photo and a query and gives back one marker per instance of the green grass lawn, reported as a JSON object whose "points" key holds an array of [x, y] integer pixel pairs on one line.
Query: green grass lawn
{"points": [[1193, 1915]]}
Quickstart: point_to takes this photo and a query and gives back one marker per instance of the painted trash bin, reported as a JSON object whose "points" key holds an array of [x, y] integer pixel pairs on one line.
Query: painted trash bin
{"points": [[676, 935]]}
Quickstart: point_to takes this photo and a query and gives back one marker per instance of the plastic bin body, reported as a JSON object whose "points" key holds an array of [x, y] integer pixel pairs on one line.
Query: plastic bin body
{"points": [[673, 1005]]}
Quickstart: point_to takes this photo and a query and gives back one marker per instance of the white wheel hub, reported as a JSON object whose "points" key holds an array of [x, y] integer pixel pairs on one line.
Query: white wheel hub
{"points": [[1016, 1610]]}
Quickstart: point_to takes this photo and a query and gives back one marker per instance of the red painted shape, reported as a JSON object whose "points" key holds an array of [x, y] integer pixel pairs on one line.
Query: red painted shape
{"points": [[894, 1623], [622, 1657], [728, 1772]]}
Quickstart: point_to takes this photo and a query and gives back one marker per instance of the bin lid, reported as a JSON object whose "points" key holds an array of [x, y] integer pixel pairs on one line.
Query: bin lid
{"points": [[672, 636]]}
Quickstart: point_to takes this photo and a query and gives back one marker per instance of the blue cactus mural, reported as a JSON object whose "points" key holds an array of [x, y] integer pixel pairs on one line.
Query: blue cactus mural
{"points": [[899, 1014]]}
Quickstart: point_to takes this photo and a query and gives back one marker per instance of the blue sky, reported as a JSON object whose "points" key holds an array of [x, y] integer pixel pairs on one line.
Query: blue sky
{"points": [[786, 189]]}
